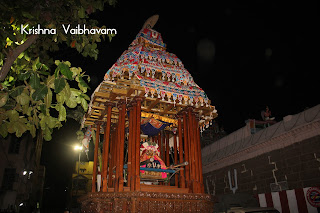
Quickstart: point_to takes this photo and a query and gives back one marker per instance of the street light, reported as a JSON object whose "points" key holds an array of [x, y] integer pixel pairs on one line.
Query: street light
{"points": [[78, 148]]}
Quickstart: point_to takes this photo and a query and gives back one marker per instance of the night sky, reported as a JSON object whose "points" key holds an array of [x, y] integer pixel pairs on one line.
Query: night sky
{"points": [[245, 56]]}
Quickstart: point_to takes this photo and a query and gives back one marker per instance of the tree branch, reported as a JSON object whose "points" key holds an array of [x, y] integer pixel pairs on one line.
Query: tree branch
{"points": [[13, 54]]}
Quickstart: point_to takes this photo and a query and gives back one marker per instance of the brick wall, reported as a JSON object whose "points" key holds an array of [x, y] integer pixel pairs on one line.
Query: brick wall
{"points": [[298, 164]]}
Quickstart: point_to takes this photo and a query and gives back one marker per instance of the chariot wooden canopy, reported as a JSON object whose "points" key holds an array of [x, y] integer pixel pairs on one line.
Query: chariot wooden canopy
{"points": [[148, 98]]}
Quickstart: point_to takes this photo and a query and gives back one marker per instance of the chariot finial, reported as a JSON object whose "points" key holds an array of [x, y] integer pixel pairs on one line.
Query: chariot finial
{"points": [[151, 21]]}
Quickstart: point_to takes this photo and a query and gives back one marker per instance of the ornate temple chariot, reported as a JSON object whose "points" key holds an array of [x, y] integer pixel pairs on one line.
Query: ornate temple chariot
{"points": [[150, 112]]}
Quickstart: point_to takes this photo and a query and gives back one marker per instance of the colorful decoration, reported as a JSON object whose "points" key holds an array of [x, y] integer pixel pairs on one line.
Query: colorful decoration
{"points": [[150, 150], [160, 118], [161, 73], [86, 139], [148, 69], [151, 126]]}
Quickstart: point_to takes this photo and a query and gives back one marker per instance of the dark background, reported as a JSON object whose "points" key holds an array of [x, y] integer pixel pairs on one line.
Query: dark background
{"points": [[244, 55]]}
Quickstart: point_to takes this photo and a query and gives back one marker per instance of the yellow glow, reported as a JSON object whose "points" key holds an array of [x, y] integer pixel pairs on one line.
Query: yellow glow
{"points": [[77, 147]]}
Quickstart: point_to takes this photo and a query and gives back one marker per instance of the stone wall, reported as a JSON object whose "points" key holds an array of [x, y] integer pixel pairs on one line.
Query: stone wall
{"points": [[297, 165]]}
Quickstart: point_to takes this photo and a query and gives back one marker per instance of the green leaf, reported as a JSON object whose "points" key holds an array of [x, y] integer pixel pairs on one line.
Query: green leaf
{"points": [[51, 122], [27, 15], [59, 85], [71, 102], [26, 109], [13, 115], [5, 84], [24, 76], [35, 118], [56, 72], [43, 109], [34, 81], [65, 70], [84, 104], [85, 97], [11, 103], [43, 121], [40, 93], [44, 67], [32, 130], [47, 134], [44, 73], [36, 64], [8, 41], [3, 130], [48, 99], [11, 128], [75, 92], [81, 12], [29, 112], [3, 98], [48, 121], [20, 128], [21, 55], [83, 89], [26, 57], [67, 63], [16, 91], [57, 62], [66, 90], [75, 71], [78, 47], [50, 82], [23, 99], [83, 83], [62, 112], [61, 97], [11, 78], [111, 36]]}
